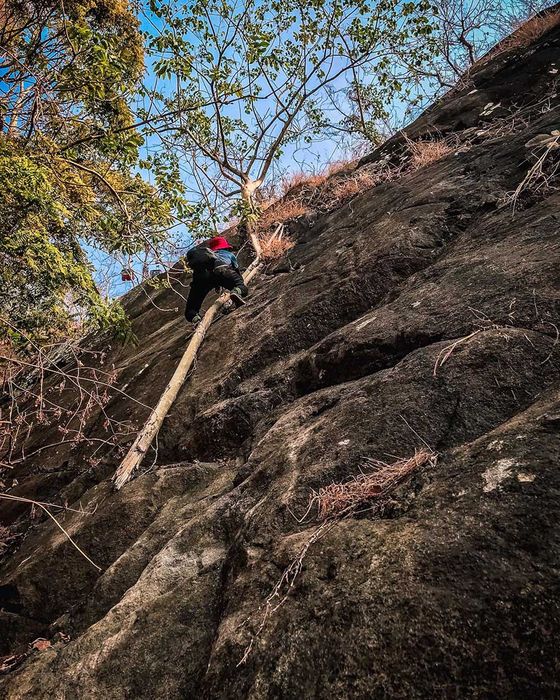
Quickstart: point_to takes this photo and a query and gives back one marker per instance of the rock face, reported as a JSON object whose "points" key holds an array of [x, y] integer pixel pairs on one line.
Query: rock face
{"points": [[425, 311]]}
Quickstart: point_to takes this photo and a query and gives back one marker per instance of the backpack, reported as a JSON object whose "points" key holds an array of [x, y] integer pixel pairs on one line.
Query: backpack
{"points": [[201, 258]]}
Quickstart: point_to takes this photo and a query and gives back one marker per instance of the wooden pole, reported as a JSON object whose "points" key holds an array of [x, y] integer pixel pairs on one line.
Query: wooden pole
{"points": [[146, 436]]}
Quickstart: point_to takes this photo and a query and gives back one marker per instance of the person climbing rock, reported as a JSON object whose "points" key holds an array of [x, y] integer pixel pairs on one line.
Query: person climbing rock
{"points": [[214, 265]]}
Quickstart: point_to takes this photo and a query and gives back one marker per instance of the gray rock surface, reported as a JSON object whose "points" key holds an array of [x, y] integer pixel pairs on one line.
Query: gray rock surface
{"points": [[450, 589]]}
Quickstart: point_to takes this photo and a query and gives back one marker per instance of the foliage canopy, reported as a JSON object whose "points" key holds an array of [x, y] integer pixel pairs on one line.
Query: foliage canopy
{"points": [[68, 148], [252, 80]]}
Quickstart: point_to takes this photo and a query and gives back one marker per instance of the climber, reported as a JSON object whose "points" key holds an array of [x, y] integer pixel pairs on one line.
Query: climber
{"points": [[213, 265]]}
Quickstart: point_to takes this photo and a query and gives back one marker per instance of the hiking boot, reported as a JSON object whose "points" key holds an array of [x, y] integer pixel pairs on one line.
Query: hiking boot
{"points": [[236, 297]]}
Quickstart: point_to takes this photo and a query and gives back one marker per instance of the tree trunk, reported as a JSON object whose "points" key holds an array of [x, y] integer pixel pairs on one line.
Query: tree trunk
{"points": [[247, 191]]}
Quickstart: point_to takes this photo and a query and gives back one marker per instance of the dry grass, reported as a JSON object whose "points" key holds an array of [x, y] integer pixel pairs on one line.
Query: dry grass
{"points": [[531, 30], [348, 187], [313, 181], [300, 193], [339, 166], [425, 152], [276, 244], [300, 180], [340, 190], [280, 212], [340, 500], [524, 35], [303, 194]]}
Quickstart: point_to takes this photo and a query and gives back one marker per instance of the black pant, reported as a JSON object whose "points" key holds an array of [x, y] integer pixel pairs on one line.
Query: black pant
{"points": [[204, 281]]}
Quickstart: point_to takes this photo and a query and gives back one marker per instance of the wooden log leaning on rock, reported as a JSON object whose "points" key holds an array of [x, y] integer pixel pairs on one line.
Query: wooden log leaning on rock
{"points": [[146, 436]]}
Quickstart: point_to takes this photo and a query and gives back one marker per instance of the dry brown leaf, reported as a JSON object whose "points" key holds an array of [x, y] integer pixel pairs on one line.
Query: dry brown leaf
{"points": [[40, 644]]}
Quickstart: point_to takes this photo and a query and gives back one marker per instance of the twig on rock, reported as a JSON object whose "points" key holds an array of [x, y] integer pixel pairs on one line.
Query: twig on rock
{"points": [[43, 506], [446, 353]]}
